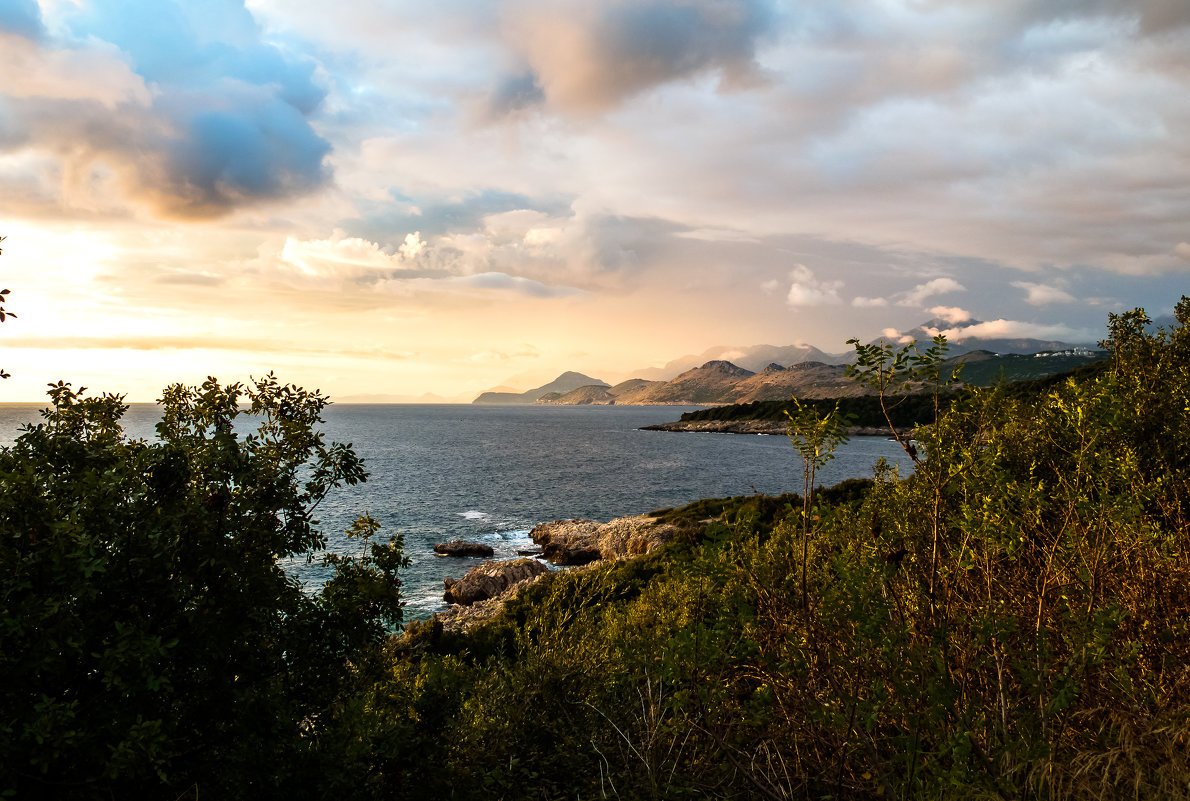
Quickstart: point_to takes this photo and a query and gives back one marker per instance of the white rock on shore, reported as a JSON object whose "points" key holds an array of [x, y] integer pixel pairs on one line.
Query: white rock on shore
{"points": [[481, 594], [577, 542], [490, 580]]}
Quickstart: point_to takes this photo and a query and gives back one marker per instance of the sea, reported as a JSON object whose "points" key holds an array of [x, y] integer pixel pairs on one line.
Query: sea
{"points": [[490, 473]]}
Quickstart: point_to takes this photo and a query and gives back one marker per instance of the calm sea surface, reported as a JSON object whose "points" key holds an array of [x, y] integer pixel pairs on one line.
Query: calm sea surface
{"points": [[489, 473]]}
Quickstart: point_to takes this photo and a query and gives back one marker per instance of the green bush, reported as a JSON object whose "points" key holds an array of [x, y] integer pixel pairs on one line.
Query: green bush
{"points": [[1009, 621], [150, 644]]}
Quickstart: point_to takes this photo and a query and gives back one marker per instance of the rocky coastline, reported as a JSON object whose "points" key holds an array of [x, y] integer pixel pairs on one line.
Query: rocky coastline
{"points": [[766, 427], [577, 544]]}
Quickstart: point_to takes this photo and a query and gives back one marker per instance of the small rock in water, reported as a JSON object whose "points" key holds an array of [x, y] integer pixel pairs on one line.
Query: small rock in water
{"points": [[463, 548]]}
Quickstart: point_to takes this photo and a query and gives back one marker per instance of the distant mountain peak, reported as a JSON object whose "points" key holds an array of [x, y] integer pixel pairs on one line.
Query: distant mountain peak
{"points": [[725, 367], [567, 382], [752, 357], [571, 375]]}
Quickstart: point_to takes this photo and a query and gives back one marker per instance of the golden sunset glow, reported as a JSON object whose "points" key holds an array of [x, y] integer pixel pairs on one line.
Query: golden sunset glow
{"points": [[428, 201]]}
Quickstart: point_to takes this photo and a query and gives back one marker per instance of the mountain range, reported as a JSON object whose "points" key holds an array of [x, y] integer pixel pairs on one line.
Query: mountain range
{"points": [[959, 343], [718, 382], [754, 357], [726, 374]]}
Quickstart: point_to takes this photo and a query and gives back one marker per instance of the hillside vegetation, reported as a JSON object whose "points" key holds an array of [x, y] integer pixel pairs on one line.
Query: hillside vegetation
{"points": [[1011, 621]]}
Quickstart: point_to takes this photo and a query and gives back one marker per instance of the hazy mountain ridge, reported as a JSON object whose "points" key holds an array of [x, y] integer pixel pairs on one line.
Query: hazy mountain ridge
{"points": [[713, 383], [770, 372], [753, 357], [564, 383]]}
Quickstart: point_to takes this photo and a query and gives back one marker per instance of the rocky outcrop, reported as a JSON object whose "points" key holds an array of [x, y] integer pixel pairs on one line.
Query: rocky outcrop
{"points": [[577, 542], [480, 595], [490, 580], [463, 548]]}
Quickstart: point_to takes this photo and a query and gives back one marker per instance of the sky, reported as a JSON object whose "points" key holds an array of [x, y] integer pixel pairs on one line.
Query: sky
{"points": [[401, 198]]}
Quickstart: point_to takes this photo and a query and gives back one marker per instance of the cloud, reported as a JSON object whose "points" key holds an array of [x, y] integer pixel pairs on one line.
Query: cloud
{"points": [[868, 303], [348, 256], [525, 351], [515, 93], [1154, 16], [809, 291], [214, 343], [513, 283], [918, 295], [893, 335], [1013, 329], [449, 264], [951, 314], [95, 73], [22, 17], [1183, 250], [1042, 294], [185, 110], [589, 57]]}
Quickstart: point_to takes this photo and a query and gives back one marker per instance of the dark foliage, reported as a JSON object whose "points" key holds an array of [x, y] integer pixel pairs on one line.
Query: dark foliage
{"points": [[906, 411], [150, 644], [1008, 622]]}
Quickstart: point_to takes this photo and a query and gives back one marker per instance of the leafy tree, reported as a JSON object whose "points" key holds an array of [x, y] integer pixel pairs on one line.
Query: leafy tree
{"points": [[150, 643], [890, 371], [816, 439]]}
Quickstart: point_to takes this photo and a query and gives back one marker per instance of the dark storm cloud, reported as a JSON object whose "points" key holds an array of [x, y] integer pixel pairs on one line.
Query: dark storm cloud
{"points": [[589, 56], [221, 122], [1154, 16]]}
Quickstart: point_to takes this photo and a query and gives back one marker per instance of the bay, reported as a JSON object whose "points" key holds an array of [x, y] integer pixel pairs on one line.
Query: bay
{"points": [[490, 473]]}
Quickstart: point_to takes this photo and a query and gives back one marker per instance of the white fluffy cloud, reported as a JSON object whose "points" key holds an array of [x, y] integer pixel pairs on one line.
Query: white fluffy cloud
{"points": [[807, 290], [1010, 329], [869, 303], [452, 264], [664, 157], [1043, 294], [938, 286], [347, 256], [97, 72], [951, 314]]}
